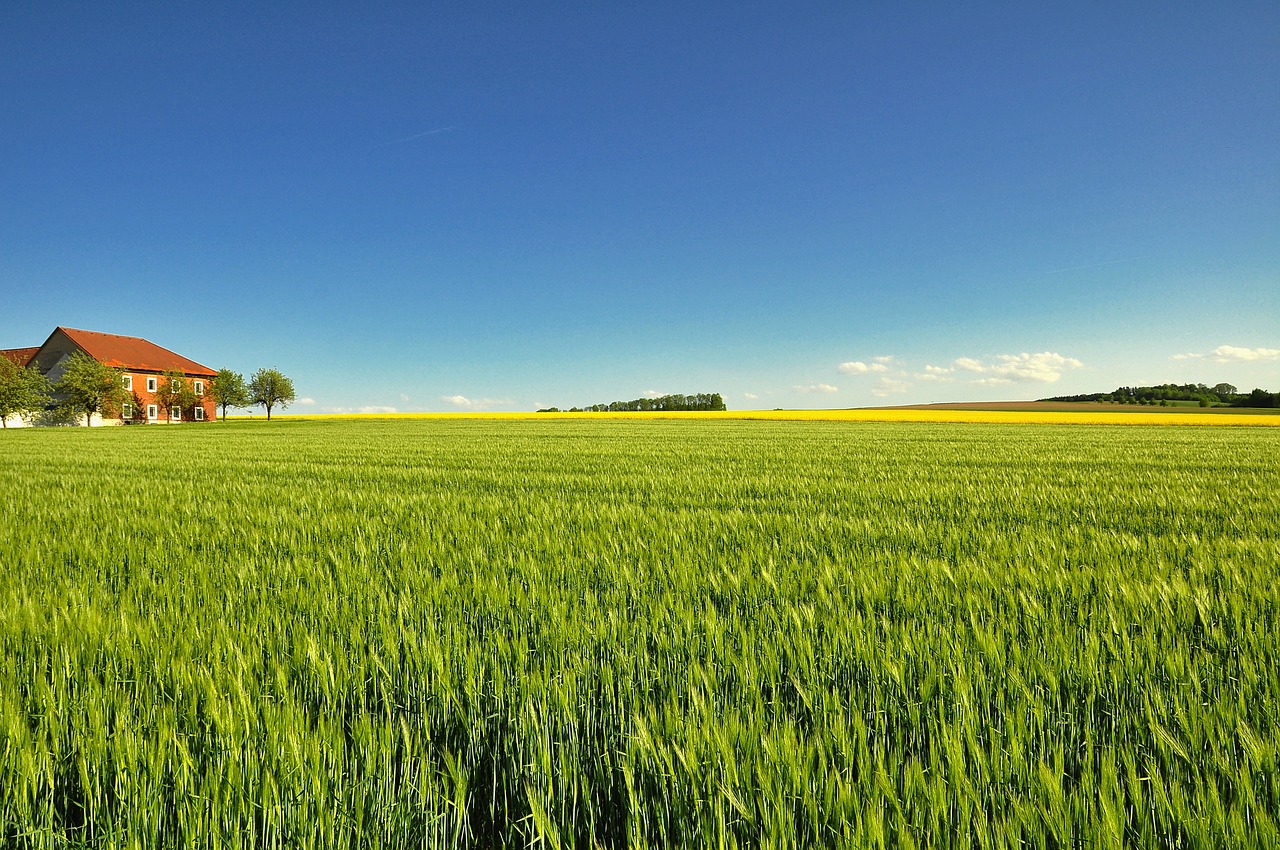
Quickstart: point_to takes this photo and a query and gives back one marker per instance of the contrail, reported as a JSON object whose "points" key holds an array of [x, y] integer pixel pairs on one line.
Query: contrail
{"points": [[1092, 266], [414, 136]]}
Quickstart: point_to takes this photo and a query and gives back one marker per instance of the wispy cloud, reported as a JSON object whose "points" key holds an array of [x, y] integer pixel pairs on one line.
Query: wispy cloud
{"points": [[404, 397], [474, 403], [816, 388], [1092, 265], [305, 400], [890, 386], [935, 374], [1234, 354], [750, 396], [368, 409], [414, 136]]}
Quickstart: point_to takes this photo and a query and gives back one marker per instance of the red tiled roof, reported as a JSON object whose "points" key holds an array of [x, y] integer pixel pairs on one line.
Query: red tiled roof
{"points": [[131, 352], [21, 356]]}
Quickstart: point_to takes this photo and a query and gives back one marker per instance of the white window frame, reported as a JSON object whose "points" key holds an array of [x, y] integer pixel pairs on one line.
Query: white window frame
{"points": [[198, 386], [199, 414], [128, 382], [153, 412], [175, 414], [175, 384], [151, 385], [126, 410]]}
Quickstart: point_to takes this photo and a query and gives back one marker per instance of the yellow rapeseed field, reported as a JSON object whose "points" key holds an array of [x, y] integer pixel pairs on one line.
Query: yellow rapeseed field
{"points": [[1000, 417]]}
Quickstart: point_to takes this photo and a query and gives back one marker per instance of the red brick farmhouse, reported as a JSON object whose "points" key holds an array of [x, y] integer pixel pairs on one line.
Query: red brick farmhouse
{"points": [[143, 364]]}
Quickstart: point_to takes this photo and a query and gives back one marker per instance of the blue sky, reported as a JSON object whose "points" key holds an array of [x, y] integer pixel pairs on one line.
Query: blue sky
{"points": [[508, 206]]}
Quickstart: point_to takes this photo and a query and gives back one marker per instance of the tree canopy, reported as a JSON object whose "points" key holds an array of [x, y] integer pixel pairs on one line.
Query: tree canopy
{"points": [[229, 390], [1206, 396], [269, 388], [173, 390], [23, 390], [90, 387], [677, 401]]}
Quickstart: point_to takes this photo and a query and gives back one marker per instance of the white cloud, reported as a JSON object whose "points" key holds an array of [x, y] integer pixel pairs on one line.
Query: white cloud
{"points": [[857, 367], [1232, 354], [404, 397], [473, 403], [368, 409], [305, 401], [884, 358], [653, 394], [750, 396], [817, 388], [1044, 367]]}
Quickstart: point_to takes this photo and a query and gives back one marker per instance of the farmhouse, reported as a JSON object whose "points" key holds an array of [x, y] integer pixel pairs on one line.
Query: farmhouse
{"points": [[143, 364]]}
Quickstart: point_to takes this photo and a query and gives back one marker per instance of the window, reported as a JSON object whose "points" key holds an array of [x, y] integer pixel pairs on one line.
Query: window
{"points": [[175, 413], [175, 384], [126, 411], [198, 386], [128, 382], [199, 414], [153, 412], [151, 385]]}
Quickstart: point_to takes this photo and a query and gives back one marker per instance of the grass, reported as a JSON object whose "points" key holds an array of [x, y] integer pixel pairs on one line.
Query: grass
{"points": [[451, 632]]}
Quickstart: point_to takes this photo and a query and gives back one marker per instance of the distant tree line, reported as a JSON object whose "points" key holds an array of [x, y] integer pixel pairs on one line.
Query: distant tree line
{"points": [[1218, 395], [677, 401]]}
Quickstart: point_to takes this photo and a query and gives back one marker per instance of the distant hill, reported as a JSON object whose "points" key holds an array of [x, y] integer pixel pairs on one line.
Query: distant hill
{"points": [[1219, 395]]}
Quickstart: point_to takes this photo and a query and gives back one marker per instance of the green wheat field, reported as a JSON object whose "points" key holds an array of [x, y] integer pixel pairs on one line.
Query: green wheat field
{"points": [[639, 633]]}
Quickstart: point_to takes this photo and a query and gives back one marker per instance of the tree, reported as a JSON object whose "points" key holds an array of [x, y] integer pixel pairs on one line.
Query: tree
{"points": [[268, 388], [90, 387], [22, 390], [1261, 398], [173, 390], [228, 390]]}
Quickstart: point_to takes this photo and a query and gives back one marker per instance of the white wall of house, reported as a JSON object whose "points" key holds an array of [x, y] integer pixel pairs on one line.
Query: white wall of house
{"points": [[95, 421]]}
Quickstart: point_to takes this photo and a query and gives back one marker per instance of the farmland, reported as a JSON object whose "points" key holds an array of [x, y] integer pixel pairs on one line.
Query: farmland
{"points": [[635, 632]]}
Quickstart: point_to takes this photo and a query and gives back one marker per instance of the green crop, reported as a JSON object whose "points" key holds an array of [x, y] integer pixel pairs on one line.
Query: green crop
{"points": [[639, 633]]}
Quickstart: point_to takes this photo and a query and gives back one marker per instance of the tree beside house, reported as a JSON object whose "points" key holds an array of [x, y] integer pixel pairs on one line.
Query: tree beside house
{"points": [[24, 392]]}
